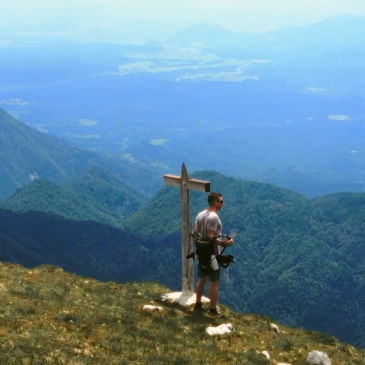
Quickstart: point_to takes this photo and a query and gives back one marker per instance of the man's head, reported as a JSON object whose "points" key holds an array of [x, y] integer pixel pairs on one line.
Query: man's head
{"points": [[215, 200]]}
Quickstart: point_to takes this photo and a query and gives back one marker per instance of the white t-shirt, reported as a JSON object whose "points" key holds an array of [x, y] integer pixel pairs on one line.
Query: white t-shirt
{"points": [[207, 220]]}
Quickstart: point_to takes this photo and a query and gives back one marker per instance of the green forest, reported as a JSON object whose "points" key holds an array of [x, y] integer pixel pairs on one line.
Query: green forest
{"points": [[298, 260], [94, 195]]}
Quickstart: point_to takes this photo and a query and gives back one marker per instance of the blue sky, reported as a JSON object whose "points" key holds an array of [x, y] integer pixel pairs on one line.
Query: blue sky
{"points": [[158, 16]]}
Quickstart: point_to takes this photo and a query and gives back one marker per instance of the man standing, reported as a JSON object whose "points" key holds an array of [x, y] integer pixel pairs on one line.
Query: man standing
{"points": [[208, 224]]}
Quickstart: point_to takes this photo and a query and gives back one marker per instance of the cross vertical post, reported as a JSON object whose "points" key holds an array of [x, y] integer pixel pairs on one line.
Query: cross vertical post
{"points": [[187, 265], [185, 183]]}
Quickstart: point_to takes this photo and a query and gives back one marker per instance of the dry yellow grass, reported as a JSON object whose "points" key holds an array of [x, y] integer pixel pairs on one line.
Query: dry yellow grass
{"points": [[48, 316]]}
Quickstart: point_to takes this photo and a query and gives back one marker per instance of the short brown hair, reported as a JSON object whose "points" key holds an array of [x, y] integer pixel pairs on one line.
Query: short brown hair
{"points": [[213, 197]]}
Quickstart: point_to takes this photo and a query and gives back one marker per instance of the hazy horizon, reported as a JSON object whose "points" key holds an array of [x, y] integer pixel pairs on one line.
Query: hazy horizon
{"points": [[144, 19]]}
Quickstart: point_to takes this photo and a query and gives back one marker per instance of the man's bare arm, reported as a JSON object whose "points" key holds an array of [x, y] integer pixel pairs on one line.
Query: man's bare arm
{"points": [[227, 242]]}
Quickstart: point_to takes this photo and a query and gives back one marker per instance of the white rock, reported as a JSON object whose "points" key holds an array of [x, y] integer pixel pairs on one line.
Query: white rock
{"points": [[152, 308], [220, 330], [274, 328], [266, 354], [282, 363], [183, 298], [318, 358]]}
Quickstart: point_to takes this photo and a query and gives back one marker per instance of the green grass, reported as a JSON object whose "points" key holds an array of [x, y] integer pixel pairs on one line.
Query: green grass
{"points": [[48, 316]]}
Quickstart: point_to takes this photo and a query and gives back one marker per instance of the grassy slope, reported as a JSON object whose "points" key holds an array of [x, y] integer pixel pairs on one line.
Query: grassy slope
{"points": [[51, 316]]}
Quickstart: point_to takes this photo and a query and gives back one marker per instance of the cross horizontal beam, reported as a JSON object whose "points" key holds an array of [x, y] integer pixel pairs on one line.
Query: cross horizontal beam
{"points": [[192, 184]]}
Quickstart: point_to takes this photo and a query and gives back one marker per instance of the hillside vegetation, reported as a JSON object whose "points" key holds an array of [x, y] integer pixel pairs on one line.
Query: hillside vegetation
{"points": [[26, 154], [85, 248], [49, 316], [94, 195]]}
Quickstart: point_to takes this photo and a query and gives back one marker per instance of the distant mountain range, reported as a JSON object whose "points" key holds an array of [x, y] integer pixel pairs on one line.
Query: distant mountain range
{"points": [[334, 32], [27, 154]]}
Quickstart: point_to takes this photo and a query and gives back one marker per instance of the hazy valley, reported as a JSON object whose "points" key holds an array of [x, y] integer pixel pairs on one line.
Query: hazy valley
{"points": [[284, 107]]}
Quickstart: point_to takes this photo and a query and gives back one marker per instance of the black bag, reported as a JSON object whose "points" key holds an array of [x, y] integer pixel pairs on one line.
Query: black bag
{"points": [[204, 248], [225, 260]]}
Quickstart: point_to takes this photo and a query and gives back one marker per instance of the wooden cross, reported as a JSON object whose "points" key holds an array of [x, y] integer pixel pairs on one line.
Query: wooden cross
{"points": [[185, 183]]}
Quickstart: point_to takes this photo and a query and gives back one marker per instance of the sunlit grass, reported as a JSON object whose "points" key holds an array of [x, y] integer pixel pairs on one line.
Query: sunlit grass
{"points": [[48, 316]]}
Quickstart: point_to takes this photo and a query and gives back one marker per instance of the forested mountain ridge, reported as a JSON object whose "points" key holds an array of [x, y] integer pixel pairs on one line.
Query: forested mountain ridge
{"points": [[27, 154], [94, 195], [86, 248], [237, 194], [330, 33]]}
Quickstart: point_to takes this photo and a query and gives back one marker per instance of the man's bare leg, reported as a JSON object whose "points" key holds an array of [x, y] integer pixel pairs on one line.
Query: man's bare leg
{"points": [[199, 289], [213, 294]]}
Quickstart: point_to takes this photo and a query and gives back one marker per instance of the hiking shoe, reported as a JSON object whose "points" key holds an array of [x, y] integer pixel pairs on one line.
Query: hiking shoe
{"points": [[213, 313], [198, 307]]}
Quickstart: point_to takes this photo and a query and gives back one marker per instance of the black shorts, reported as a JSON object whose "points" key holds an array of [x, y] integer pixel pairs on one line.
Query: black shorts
{"points": [[213, 275]]}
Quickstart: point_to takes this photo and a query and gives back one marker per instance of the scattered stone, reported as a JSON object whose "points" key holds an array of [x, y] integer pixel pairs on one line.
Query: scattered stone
{"points": [[318, 358], [220, 330], [152, 308], [282, 363], [266, 354], [162, 297], [274, 328], [185, 298]]}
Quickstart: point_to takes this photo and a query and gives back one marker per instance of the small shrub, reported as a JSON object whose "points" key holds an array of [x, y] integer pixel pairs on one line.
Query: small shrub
{"points": [[283, 344], [323, 338]]}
